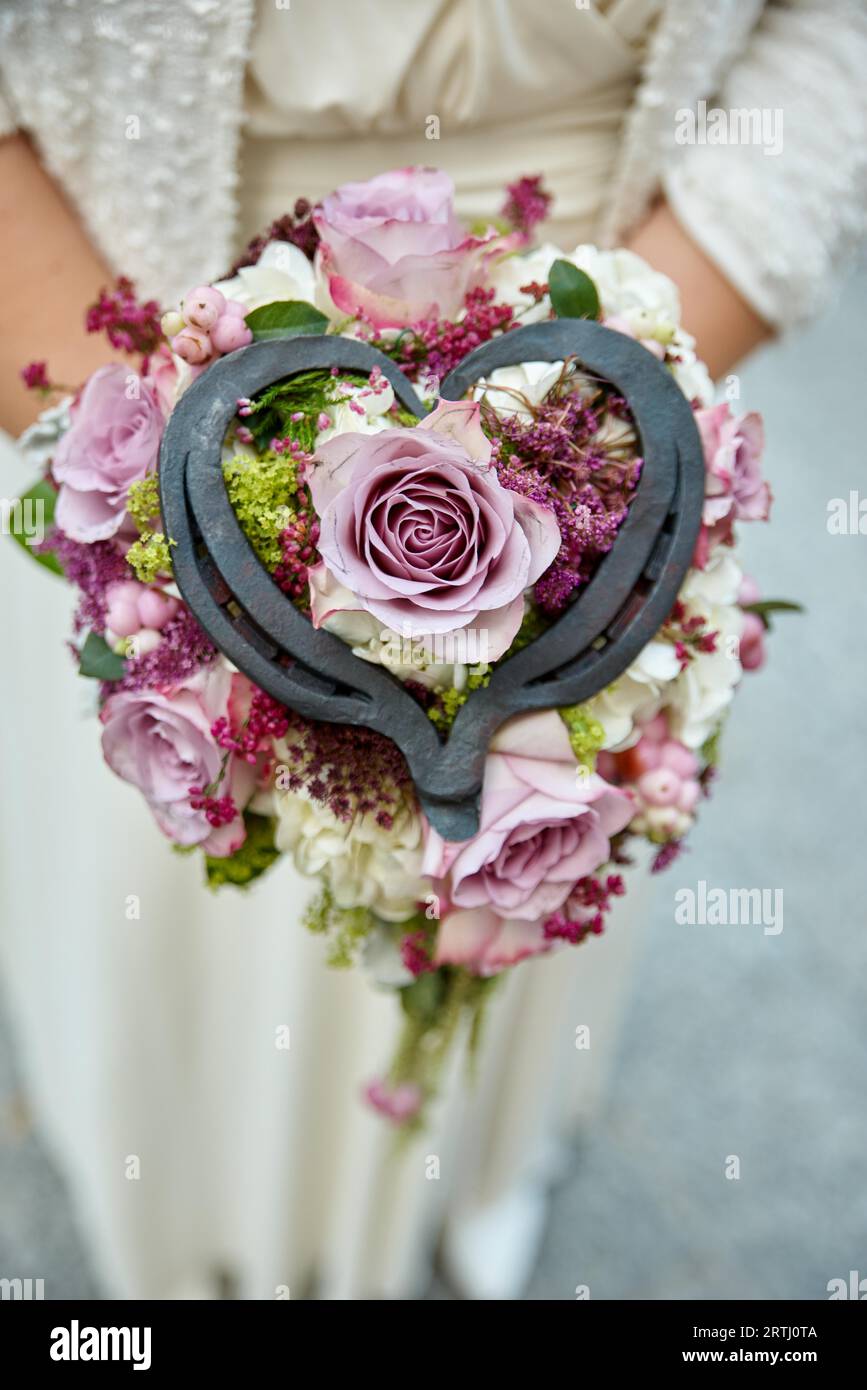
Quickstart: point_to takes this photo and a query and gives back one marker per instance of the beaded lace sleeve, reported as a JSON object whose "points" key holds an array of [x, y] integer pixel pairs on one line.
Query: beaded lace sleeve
{"points": [[136, 111]]}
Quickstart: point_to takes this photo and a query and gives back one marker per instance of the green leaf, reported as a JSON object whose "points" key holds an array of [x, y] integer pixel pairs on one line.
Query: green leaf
{"points": [[257, 853], [285, 318], [573, 294], [35, 508], [766, 606], [99, 661]]}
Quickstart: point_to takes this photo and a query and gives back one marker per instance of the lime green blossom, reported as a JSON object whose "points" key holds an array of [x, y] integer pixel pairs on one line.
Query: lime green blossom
{"points": [[345, 927], [150, 556], [260, 490], [586, 734]]}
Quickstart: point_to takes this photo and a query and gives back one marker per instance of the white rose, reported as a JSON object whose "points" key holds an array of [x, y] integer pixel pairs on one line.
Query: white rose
{"points": [[717, 585], [505, 387], [361, 410], [282, 272], [362, 863]]}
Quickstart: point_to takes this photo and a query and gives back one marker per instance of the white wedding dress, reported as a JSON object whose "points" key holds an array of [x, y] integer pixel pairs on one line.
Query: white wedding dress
{"points": [[147, 1008]]}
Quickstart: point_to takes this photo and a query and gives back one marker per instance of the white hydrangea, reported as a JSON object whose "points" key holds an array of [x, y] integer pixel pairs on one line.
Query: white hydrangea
{"points": [[508, 275], [383, 961], [704, 689], [362, 863], [695, 698], [690, 373], [637, 695], [630, 289]]}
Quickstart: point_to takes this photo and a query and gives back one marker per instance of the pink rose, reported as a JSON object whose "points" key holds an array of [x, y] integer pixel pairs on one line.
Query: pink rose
{"points": [[393, 250], [543, 826], [113, 441], [734, 488], [163, 372], [162, 743], [416, 529]]}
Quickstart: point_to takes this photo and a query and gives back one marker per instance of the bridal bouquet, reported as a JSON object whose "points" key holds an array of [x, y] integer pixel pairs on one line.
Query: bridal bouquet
{"points": [[434, 544]]}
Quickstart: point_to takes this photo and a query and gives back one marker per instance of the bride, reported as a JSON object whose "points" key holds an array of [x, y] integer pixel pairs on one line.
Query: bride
{"points": [[156, 139]]}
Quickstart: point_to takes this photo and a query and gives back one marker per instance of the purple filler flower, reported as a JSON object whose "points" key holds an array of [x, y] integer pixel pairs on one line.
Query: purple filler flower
{"points": [[416, 529]]}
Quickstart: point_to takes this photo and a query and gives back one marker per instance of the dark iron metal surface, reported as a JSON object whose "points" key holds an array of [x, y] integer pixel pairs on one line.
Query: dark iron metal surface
{"points": [[260, 630]]}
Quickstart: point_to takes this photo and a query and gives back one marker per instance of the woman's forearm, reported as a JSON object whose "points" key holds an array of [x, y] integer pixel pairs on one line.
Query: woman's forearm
{"points": [[49, 273], [725, 327]]}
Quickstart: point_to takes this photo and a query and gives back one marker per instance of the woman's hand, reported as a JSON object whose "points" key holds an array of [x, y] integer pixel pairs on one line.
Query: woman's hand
{"points": [[724, 325], [49, 273]]}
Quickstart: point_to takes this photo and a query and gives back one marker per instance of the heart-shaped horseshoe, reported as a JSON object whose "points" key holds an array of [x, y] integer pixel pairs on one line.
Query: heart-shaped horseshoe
{"points": [[257, 627]]}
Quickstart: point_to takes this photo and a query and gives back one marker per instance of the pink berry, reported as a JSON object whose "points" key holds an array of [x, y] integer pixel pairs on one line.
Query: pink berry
{"points": [[656, 729], [679, 758], [642, 757], [121, 614], [203, 306], [192, 346], [752, 644], [619, 325], [229, 333], [172, 322], [690, 792], [156, 608], [235, 309], [145, 642], [660, 787]]}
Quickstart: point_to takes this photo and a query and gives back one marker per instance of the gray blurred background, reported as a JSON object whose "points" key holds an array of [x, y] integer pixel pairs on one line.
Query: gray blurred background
{"points": [[736, 1043]]}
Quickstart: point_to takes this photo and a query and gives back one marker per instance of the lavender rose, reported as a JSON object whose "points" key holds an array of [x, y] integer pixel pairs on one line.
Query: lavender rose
{"points": [[734, 487], [393, 248], [543, 827], [416, 529], [162, 743], [113, 441]]}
